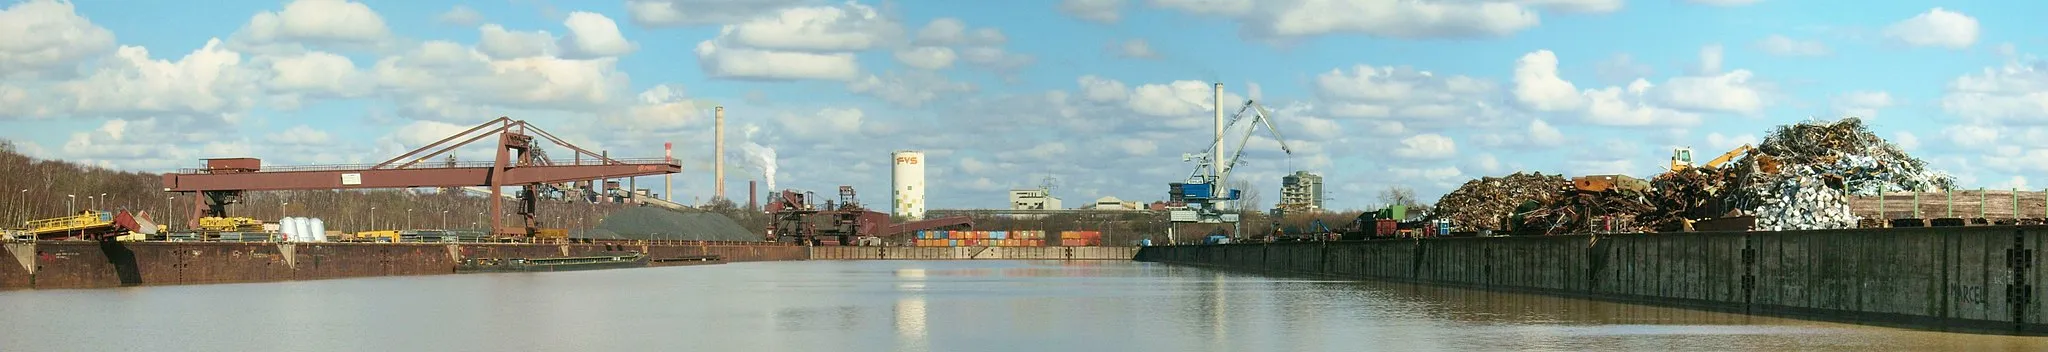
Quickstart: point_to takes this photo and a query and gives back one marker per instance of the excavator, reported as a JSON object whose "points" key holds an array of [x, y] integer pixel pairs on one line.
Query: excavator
{"points": [[1681, 159]]}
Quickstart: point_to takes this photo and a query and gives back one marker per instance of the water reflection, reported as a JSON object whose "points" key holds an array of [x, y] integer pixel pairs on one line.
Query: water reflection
{"points": [[902, 306]]}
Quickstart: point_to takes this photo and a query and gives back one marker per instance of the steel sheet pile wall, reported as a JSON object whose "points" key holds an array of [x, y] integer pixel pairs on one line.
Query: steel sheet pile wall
{"points": [[967, 253], [111, 264], [1968, 278]]}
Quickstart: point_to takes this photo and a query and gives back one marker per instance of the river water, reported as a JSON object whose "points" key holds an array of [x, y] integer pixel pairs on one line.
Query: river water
{"points": [[898, 306]]}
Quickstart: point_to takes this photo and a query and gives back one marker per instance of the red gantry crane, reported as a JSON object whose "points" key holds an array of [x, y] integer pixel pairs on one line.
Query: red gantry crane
{"points": [[520, 162]]}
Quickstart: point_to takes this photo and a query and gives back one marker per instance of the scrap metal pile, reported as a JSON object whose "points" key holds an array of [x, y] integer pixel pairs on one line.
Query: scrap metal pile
{"points": [[1819, 164], [1801, 177], [1485, 203]]}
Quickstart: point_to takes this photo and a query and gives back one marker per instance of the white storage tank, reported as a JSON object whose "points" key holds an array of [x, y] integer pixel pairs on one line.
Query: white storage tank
{"points": [[319, 231], [305, 230], [909, 184], [289, 226]]}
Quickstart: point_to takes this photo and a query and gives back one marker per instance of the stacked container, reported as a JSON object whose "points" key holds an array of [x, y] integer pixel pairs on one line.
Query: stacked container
{"points": [[1080, 238], [941, 238]]}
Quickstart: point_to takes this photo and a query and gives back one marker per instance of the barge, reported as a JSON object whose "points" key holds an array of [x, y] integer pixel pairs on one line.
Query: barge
{"points": [[500, 265]]}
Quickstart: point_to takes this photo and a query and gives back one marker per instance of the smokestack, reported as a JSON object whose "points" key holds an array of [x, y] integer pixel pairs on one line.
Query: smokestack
{"points": [[718, 165], [753, 194], [1216, 154], [668, 181]]}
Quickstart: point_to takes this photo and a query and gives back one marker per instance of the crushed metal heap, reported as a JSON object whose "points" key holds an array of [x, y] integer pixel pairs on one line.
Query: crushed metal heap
{"points": [[1482, 204], [1822, 164], [1801, 177]]}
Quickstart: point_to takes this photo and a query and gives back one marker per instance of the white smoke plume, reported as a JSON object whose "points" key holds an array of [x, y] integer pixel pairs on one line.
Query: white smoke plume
{"points": [[759, 156]]}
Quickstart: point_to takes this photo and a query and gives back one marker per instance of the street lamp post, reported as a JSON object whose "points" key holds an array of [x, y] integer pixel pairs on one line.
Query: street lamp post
{"points": [[408, 218], [280, 209], [104, 202], [25, 214], [92, 203], [373, 218], [72, 203], [444, 219]]}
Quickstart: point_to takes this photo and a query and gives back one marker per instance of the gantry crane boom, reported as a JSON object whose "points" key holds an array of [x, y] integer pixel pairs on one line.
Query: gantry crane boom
{"points": [[519, 162], [1202, 191]]}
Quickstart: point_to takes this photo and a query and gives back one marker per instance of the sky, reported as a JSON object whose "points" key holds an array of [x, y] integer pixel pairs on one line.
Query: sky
{"points": [[1102, 96]]}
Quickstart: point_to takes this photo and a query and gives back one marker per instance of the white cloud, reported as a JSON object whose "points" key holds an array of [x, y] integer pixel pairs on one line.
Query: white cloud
{"points": [[318, 21], [1729, 92], [744, 63], [1429, 146], [300, 135], [592, 35], [462, 15], [1538, 86], [1135, 49], [1861, 103], [850, 27], [1786, 46], [446, 80], [948, 31], [210, 80], [911, 90], [1723, 2], [319, 73], [500, 43], [663, 107], [42, 35], [1101, 89], [1614, 106], [1971, 136], [1578, 6], [927, 57], [1386, 18], [1138, 147], [2015, 92], [1937, 27], [1103, 11], [995, 58], [1184, 102], [1906, 140], [1486, 164], [1710, 60], [1542, 134], [672, 13], [146, 144]]}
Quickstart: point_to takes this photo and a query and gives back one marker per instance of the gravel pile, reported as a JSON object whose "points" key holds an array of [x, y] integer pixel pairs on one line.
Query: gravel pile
{"points": [[651, 223]]}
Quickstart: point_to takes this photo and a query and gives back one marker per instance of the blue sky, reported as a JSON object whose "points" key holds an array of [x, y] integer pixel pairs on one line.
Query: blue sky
{"points": [[1104, 95]]}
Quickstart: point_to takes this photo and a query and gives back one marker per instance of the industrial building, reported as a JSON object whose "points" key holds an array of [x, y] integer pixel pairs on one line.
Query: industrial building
{"points": [[1033, 199], [908, 184], [1112, 203], [1300, 193]]}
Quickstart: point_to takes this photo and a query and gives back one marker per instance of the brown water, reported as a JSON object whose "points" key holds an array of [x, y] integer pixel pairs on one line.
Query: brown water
{"points": [[898, 306]]}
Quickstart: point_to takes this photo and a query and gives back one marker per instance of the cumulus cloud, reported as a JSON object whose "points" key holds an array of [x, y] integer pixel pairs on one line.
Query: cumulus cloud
{"points": [[927, 57], [43, 35], [2015, 93], [1621, 68], [1937, 27], [1427, 146], [318, 22], [1134, 49], [592, 35], [1538, 86], [673, 13], [1102, 11], [462, 15], [210, 80], [756, 64], [799, 43], [825, 122], [1385, 18], [501, 43], [909, 89]]}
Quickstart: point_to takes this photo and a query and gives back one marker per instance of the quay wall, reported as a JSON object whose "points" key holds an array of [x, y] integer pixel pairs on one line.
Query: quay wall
{"points": [[1984, 279], [86, 264], [973, 253]]}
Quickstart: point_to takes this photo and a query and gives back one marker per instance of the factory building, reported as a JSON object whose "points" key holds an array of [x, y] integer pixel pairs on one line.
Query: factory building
{"points": [[1112, 203], [908, 184], [1033, 199], [1300, 193]]}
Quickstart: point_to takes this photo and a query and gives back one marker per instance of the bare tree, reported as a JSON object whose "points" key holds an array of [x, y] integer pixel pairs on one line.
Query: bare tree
{"points": [[1404, 196]]}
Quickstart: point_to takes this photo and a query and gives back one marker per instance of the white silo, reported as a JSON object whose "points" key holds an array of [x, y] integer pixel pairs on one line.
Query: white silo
{"points": [[317, 231], [289, 226], [909, 184], [305, 231]]}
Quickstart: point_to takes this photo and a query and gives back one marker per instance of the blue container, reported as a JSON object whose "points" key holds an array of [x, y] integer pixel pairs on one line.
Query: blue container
{"points": [[1145, 242]]}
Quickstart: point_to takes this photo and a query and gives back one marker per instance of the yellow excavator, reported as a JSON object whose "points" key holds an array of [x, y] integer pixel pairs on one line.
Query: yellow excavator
{"points": [[1681, 159]]}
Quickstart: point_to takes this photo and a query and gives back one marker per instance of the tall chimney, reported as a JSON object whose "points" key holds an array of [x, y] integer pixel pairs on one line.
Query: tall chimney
{"points": [[668, 182], [1216, 154], [718, 164], [753, 194]]}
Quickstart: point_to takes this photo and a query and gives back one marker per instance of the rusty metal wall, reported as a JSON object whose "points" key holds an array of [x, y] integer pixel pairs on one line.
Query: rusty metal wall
{"points": [[80, 264]]}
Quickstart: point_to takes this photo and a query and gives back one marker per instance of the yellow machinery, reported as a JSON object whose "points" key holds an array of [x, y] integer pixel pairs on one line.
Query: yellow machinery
{"points": [[89, 220], [385, 236], [230, 224], [551, 233], [1604, 183], [1681, 159]]}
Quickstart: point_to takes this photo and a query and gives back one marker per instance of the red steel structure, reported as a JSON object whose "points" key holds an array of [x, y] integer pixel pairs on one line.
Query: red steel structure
{"points": [[519, 162]]}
